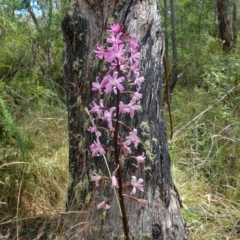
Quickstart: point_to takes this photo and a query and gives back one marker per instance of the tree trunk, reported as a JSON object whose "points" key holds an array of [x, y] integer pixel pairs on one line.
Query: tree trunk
{"points": [[166, 10], [174, 77], [234, 23], [224, 26], [83, 29]]}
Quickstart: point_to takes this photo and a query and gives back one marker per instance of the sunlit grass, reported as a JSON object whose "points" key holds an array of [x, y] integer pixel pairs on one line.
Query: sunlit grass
{"points": [[206, 165], [49, 161]]}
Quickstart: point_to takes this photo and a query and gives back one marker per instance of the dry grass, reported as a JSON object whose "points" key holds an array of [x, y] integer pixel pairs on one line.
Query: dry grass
{"points": [[208, 215], [49, 162]]}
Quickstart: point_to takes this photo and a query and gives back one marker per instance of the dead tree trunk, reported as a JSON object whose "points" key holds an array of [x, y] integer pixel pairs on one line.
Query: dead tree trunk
{"points": [[83, 29]]}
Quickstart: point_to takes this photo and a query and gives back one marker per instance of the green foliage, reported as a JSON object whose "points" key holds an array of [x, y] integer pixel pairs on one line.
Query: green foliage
{"points": [[30, 69], [208, 75], [29, 51], [8, 129], [222, 71], [206, 112], [31, 90]]}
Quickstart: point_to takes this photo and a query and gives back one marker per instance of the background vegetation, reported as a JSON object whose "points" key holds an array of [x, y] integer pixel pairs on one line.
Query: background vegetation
{"points": [[205, 108]]}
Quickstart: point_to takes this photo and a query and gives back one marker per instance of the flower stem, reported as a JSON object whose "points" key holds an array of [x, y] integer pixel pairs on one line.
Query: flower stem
{"points": [[121, 198], [119, 206]]}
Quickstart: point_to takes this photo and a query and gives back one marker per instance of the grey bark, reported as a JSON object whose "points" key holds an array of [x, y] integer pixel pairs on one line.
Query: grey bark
{"points": [[83, 29]]}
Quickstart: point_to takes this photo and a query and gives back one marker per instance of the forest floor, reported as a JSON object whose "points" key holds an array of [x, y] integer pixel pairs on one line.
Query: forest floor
{"points": [[32, 206]]}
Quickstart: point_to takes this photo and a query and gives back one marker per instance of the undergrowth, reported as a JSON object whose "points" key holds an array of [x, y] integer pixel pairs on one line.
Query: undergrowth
{"points": [[206, 162], [34, 184]]}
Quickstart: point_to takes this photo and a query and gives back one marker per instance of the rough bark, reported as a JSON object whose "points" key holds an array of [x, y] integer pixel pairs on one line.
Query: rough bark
{"points": [[83, 29], [224, 25]]}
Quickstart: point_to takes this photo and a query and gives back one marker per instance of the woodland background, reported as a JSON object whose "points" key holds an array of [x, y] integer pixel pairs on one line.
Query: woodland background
{"points": [[203, 121]]}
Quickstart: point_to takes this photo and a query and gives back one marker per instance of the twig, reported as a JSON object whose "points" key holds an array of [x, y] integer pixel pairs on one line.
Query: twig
{"points": [[12, 163]]}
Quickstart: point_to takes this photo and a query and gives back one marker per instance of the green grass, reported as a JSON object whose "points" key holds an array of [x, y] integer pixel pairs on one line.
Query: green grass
{"points": [[206, 164]]}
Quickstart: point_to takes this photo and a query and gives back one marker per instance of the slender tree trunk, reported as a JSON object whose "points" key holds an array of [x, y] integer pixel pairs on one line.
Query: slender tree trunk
{"points": [[166, 55], [32, 14], [83, 29], [166, 31], [234, 23], [224, 25], [174, 77], [49, 58]]}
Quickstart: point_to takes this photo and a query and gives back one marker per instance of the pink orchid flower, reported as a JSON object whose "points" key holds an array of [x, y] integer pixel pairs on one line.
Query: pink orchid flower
{"points": [[96, 179], [136, 96], [133, 43], [132, 138], [97, 148], [94, 128], [103, 205], [108, 115], [138, 79], [129, 108], [133, 68], [140, 159], [137, 184], [126, 149], [115, 39], [114, 83], [100, 52], [116, 28], [115, 54], [97, 108], [122, 57]]}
